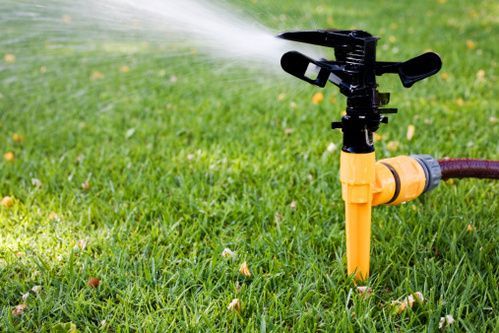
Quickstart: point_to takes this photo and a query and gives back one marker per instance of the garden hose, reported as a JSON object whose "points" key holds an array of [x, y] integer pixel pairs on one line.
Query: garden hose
{"points": [[469, 168]]}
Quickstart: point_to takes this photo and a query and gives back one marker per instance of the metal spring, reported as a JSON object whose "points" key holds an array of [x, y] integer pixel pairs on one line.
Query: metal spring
{"points": [[356, 57]]}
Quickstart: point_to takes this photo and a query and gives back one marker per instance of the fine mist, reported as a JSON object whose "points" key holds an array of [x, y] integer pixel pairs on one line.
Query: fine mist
{"points": [[214, 28]]}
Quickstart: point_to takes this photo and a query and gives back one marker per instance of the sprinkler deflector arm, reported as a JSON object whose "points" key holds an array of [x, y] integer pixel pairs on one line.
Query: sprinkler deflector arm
{"points": [[365, 182]]}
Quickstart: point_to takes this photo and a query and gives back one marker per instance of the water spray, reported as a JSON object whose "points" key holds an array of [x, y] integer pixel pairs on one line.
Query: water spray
{"points": [[365, 182]]}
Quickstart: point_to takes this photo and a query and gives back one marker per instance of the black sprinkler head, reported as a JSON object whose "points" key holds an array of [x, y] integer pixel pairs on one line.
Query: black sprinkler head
{"points": [[354, 71]]}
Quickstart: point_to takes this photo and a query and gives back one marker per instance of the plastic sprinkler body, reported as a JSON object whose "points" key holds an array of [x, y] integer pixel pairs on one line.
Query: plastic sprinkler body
{"points": [[365, 182]]}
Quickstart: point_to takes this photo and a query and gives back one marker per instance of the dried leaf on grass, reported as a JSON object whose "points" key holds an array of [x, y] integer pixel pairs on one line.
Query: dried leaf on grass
{"points": [[244, 269], [445, 321], [36, 289], [9, 156], [18, 310], [318, 98], [93, 282], [364, 290], [234, 305], [228, 253], [408, 302], [411, 129], [7, 202]]}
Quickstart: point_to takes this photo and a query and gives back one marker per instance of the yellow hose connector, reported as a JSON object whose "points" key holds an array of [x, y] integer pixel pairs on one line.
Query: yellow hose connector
{"points": [[399, 179]]}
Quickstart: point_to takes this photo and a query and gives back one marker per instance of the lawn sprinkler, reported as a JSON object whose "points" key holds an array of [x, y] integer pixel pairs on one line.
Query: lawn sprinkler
{"points": [[365, 182]]}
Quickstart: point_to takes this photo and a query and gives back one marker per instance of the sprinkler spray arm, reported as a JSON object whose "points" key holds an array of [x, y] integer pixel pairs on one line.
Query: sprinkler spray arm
{"points": [[365, 182]]}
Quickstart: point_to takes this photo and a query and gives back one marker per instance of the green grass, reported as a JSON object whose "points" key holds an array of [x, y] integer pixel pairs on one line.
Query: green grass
{"points": [[180, 171]]}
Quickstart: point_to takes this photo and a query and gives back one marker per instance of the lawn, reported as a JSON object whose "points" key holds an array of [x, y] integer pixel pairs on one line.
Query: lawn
{"points": [[138, 163]]}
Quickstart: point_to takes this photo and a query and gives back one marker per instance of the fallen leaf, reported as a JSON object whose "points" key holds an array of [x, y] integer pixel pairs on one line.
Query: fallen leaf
{"points": [[444, 76], [460, 102], [450, 181], [288, 131], [93, 282], [81, 245], [411, 129], [17, 138], [85, 186], [9, 156], [331, 148], [399, 306], [419, 296], [7, 202], [445, 321], [234, 305], [317, 98], [18, 310], [480, 75], [364, 290], [470, 44], [228, 253], [54, 217], [96, 75], [244, 269], [9, 58], [408, 302], [278, 217], [36, 289], [470, 228], [124, 69], [393, 146], [36, 182], [377, 137], [129, 133]]}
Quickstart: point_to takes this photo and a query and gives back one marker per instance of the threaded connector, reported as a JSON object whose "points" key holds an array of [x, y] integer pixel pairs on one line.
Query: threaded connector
{"points": [[432, 170]]}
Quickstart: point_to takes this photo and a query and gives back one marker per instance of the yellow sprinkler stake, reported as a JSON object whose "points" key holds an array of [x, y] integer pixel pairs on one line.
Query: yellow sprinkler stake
{"points": [[357, 174]]}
